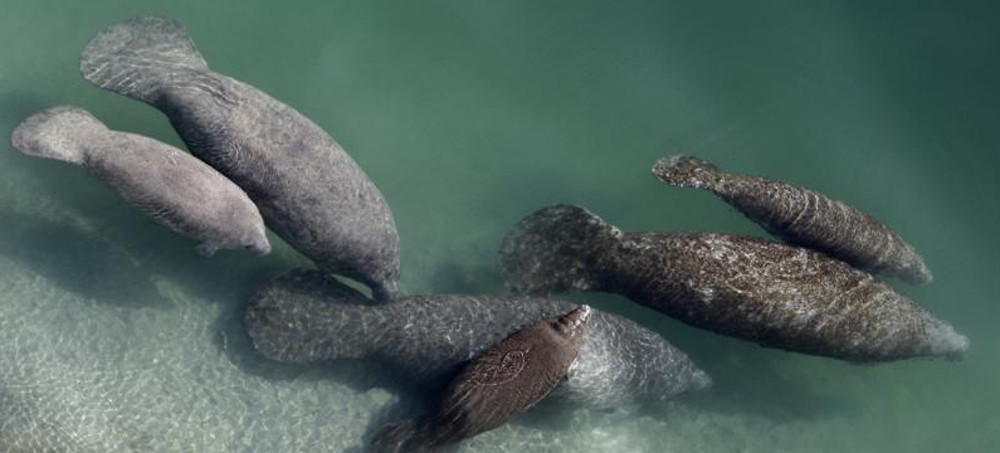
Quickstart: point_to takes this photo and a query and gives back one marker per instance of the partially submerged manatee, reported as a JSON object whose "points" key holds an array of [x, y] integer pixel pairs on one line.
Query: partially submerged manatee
{"points": [[504, 381]]}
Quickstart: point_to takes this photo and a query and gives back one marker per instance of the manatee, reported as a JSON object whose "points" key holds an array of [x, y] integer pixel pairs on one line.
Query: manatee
{"points": [[759, 290], [310, 192], [305, 317], [163, 182], [803, 217], [504, 381]]}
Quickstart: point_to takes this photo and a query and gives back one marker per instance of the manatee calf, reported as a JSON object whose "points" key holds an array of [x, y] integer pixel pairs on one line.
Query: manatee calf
{"points": [[164, 182], [305, 316], [310, 192], [504, 381], [755, 289], [803, 217]]}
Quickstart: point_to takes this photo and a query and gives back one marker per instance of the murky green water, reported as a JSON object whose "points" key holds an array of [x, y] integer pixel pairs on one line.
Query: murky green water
{"points": [[116, 336]]}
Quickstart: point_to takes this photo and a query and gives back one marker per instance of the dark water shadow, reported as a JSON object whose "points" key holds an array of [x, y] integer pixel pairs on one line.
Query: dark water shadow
{"points": [[748, 381], [412, 400], [476, 277], [76, 261], [757, 382]]}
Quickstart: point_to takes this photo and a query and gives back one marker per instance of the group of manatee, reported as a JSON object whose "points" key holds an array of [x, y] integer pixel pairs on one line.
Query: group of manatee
{"points": [[254, 161]]}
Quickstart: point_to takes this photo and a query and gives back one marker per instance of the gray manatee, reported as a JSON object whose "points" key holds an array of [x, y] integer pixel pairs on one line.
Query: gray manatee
{"points": [[305, 316], [504, 381], [755, 289], [164, 182], [310, 192], [804, 217]]}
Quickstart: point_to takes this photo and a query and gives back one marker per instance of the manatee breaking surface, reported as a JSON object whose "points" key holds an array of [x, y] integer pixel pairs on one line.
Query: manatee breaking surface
{"points": [[508, 378]]}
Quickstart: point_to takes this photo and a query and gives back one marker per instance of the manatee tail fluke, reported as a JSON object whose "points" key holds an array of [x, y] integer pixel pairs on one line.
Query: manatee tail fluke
{"points": [[687, 171], [134, 57], [943, 341], [553, 249], [304, 316], [56, 133]]}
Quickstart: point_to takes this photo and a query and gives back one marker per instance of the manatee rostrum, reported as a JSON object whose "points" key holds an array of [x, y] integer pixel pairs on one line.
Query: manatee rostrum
{"points": [[310, 192], [755, 289], [803, 217], [504, 381], [304, 317], [160, 180]]}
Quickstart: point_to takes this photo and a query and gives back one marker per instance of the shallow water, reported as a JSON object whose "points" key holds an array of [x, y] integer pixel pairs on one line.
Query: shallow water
{"points": [[116, 336]]}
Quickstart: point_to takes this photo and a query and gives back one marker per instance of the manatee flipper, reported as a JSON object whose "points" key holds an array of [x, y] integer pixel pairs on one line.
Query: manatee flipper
{"points": [[134, 57], [545, 252], [57, 133]]}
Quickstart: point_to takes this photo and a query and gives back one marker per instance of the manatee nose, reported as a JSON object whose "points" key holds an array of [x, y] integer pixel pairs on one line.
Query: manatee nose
{"points": [[263, 248], [577, 317]]}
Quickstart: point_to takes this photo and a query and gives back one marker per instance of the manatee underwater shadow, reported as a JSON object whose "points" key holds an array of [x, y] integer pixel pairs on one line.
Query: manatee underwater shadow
{"points": [[475, 277], [748, 380], [76, 261]]}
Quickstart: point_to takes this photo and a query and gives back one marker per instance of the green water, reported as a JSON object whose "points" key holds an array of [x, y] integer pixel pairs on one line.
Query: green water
{"points": [[116, 336]]}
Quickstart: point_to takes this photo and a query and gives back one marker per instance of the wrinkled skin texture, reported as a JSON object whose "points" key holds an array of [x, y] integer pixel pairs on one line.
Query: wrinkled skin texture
{"points": [[803, 217], [507, 379], [754, 289], [310, 192], [163, 182], [305, 316]]}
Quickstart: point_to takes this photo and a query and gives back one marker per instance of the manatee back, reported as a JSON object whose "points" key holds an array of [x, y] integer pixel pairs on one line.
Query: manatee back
{"points": [[779, 296]]}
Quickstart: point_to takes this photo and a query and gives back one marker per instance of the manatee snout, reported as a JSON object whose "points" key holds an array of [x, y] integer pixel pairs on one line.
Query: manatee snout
{"points": [[262, 247], [572, 324]]}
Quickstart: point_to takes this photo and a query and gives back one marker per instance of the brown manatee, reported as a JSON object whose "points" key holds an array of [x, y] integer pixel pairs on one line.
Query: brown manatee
{"points": [[160, 180], [803, 217], [759, 290], [310, 192], [307, 317], [504, 381]]}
